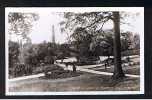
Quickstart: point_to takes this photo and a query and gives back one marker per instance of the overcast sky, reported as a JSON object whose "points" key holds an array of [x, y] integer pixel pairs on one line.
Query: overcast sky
{"points": [[42, 29]]}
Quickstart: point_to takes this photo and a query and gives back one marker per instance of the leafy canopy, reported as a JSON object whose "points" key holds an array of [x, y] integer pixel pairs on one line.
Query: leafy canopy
{"points": [[21, 23]]}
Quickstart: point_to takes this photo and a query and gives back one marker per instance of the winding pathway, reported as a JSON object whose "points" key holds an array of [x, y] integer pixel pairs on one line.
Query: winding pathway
{"points": [[80, 68]]}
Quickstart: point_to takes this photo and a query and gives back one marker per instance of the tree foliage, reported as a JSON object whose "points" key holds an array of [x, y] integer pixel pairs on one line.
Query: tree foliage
{"points": [[136, 41], [86, 30], [93, 22], [40, 53], [21, 23]]}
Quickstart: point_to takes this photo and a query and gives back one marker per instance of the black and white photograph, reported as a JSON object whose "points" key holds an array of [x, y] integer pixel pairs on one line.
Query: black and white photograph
{"points": [[74, 50]]}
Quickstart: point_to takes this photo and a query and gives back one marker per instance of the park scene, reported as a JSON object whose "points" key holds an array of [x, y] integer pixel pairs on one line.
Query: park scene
{"points": [[74, 51]]}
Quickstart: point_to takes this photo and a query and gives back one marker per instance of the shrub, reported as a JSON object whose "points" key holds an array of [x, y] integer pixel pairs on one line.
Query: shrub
{"points": [[21, 70], [13, 53]]}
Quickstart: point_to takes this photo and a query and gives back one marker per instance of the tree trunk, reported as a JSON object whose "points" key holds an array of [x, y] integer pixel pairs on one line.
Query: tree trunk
{"points": [[118, 72]]}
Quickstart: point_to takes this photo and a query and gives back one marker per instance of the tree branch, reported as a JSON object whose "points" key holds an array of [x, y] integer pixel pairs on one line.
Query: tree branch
{"points": [[108, 17]]}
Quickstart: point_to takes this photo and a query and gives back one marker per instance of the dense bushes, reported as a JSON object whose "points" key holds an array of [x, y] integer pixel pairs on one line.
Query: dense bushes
{"points": [[101, 44], [45, 53], [131, 52], [13, 53], [40, 53], [20, 70], [34, 55]]}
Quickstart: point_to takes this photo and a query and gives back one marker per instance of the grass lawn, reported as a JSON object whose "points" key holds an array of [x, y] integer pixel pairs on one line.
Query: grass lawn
{"points": [[84, 82]]}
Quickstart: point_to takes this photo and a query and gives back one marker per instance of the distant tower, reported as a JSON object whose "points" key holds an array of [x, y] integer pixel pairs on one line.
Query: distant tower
{"points": [[53, 34]]}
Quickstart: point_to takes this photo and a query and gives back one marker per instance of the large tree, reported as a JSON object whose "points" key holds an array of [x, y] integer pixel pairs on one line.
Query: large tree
{"points": [[118, 72], [94, 22], [20, 25]]}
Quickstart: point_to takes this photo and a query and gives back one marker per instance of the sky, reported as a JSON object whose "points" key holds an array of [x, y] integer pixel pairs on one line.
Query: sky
{"points": [[42, 29]]}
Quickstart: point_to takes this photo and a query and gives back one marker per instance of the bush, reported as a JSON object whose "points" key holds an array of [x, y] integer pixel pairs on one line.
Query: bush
{"points": [[54, 69], [21, 70], [130, 52], [13, 53], [41, 53]]}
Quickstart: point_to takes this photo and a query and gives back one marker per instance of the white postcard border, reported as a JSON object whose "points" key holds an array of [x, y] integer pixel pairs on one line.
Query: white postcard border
{"points": [[75, 9]]}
